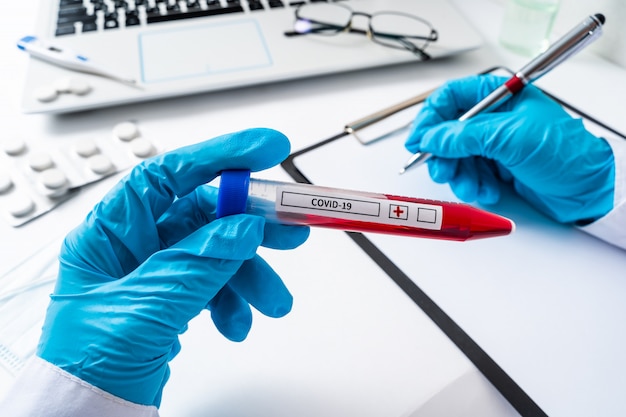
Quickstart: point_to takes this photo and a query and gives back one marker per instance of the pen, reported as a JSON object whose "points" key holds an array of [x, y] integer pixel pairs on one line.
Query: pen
{"points": [[572, 42], [54, 54], [356, 211]]}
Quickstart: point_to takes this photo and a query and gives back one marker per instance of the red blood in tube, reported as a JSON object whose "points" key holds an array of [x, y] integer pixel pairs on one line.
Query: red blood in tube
{"points": [[460, 222]]}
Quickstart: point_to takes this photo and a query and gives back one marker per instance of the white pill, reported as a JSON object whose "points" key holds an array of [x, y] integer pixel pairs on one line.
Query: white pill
{"points": [[20, 205], [100, 164], [86, 147], [62, 85], [53, 179], [5, 183], [126, 131], [46, 93], [71, 85], [141, 148], [40, 161], [14, 146], [79, 87]]}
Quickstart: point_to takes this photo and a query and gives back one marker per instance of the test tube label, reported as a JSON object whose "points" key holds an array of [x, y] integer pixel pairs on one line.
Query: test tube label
{"points": [[383, 210]]}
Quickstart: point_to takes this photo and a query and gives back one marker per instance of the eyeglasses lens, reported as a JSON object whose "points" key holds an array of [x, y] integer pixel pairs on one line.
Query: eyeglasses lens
{"points": [[325, 19], [395, 29]]}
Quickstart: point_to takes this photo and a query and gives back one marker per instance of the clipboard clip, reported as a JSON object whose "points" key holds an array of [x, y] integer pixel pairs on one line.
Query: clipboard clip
{"points": [[368, 129]]}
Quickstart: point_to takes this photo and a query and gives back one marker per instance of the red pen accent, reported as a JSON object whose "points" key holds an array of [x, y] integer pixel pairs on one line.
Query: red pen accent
{"points": [[514, 84]]}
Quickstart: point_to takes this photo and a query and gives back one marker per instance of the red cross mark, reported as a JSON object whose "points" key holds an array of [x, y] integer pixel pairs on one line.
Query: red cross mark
{"points": [[398, 212]]}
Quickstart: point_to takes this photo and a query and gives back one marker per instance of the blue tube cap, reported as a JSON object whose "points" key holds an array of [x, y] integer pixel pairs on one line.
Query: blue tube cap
{"points": [[232, 195]]}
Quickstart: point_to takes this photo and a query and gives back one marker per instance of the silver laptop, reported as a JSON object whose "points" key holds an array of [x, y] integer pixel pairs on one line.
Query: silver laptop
{"points": [[181, 47]]}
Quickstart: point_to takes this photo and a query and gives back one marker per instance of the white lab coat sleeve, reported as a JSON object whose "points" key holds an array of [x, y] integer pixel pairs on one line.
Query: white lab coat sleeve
{"points": [[612, 227], [44, 390]]}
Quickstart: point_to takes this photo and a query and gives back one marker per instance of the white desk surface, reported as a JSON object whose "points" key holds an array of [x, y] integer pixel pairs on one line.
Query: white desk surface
{"points": [[344, 350]]}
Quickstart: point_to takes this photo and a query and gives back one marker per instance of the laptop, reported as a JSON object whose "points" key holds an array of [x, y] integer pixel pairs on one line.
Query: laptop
{"points": [[182, 47]]}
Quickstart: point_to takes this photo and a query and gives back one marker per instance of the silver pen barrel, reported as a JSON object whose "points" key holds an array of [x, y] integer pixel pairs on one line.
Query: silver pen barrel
{"points": [[569, 44], [490, 102]]}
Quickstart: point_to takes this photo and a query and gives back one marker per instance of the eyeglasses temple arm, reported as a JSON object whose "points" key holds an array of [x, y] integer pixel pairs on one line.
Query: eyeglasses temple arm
{"points": [[292, 33], [323, 29]]}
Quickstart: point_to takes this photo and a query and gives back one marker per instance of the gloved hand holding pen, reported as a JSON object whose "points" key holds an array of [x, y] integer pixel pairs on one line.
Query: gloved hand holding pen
{"points": [[151, 256], [529, 141]]}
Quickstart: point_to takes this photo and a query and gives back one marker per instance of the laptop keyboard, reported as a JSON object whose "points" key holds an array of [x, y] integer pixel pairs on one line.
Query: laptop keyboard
{"points": [[78, 16]]}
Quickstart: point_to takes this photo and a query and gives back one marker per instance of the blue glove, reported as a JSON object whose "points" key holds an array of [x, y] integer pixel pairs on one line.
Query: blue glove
{"points": [[529, 141], [151, 256]]}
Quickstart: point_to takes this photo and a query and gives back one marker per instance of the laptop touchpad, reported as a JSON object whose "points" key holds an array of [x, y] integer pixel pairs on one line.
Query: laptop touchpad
{"points": [[204, 50]]}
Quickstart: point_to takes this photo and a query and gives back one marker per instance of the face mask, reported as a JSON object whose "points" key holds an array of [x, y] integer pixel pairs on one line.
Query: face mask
{"points": [[24, 296]]}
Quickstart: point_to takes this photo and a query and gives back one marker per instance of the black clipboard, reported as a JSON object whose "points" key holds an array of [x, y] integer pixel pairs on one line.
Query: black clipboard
{"points": [[508, 388]]}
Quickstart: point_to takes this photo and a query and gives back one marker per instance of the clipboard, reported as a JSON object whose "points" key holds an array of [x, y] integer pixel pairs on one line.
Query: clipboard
{"points": [[346, 160]]}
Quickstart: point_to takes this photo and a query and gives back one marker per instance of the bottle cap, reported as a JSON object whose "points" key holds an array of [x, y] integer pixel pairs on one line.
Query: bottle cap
{"points": [[233, 192]]}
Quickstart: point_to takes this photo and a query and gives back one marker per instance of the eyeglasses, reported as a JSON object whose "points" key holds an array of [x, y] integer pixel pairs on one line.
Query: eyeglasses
{"points": [[392, 29]]}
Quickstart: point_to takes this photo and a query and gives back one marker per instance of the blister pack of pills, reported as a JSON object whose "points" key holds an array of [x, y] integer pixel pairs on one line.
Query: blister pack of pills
{"points": [[35, 178]]}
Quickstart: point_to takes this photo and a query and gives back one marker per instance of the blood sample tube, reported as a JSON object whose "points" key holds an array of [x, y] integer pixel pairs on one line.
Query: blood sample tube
{"points": [[356, 211]]}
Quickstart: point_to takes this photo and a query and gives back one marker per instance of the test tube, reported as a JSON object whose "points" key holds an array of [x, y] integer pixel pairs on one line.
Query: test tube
{"points": [[356, 211]]}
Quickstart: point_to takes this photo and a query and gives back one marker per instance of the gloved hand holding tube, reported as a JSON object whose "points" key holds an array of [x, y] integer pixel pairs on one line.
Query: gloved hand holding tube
{"points": [[530, 141], [151, 256]]}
